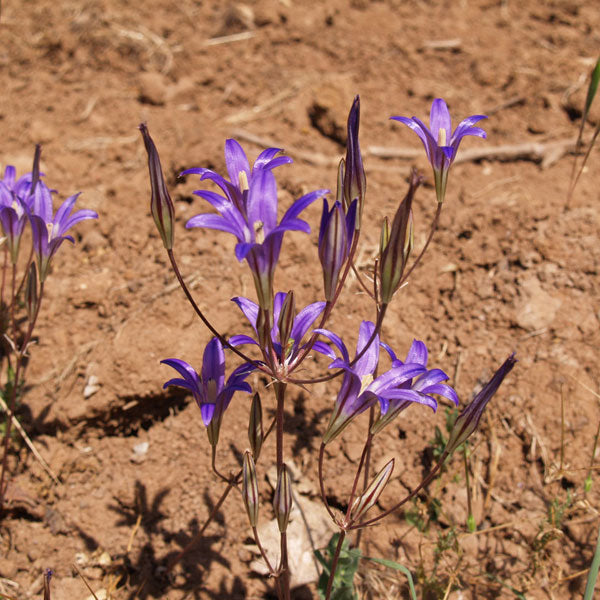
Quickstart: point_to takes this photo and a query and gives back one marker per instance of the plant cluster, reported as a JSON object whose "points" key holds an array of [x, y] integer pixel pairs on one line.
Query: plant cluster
{"points": [[32, 234], [373, 380]]}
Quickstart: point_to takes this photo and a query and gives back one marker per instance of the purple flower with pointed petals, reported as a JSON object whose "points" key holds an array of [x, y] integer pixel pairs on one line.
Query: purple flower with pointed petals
{"points": [[209, 389], [301, 324], [16, 202], [48, 231], [441, 144], [417, 389], [248, 210], [359, 389]]}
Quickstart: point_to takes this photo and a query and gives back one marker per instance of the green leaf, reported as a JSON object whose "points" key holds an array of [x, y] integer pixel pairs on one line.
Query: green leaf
{"points": [[398, 567]]}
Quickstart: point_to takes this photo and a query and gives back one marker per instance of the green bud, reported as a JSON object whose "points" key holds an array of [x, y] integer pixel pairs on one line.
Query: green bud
{"points": [[370, 496], [31, 292], [161, 205], [396, 244], [255, 426], [282, 499], [471, 525], [250, 488]]}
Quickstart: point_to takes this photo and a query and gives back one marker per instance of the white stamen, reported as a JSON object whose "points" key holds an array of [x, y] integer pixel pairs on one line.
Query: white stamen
{"points": [[365, 382], [259, 234]]}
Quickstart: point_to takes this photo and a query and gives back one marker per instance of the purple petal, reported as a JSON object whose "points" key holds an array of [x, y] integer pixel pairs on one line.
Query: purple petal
{"points": [[186, 371], [367, 364], [240, 340], [337, 341], [213, 363], [262, 201], [417, 353], [212, 221], [236, 161], [207, 411], [440, 119], [323, 348], [396, 376], [442, 390], [304, 320], [249, 308], [408, 395]]}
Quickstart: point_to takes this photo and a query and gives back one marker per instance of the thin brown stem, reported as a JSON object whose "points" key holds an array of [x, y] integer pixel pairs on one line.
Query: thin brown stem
{"points": [[322, 483], [334, 562], [367, 465], [206, 322], [432, 231]]}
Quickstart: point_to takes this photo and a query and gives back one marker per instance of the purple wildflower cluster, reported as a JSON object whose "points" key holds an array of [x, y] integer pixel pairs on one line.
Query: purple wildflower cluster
{"points": [[27, 200], [245, 205]]}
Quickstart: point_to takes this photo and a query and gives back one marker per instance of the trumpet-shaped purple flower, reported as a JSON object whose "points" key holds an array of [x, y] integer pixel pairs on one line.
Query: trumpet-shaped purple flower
{"points": [[209, 389], [301, 324], [417, 389], [17, 200], [359, 389], [49, 231], [441, 143], [248, 210]]}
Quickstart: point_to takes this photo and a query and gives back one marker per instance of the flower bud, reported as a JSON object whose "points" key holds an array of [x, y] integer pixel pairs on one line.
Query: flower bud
{"points": [[355, 181], [255, 426], [250, 488], [282, 499], [370, 496], [31, 292], [35, 171], [468, 420], [161, 205], [285, 323], [399, 238], [335, 238]]}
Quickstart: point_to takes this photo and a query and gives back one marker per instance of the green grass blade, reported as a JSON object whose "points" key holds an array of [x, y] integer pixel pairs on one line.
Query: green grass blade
{"points": [[593, 574], [592, 89], [394, 565]]}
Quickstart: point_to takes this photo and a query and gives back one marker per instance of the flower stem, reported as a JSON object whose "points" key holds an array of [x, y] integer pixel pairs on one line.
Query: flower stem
{"points": [[334, 563]]}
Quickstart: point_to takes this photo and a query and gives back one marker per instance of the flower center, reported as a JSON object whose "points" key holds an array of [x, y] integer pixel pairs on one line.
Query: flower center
{"points": [[49, 227], [211, 391]]}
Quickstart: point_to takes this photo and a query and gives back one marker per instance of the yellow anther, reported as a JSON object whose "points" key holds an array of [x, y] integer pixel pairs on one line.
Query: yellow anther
{"points": [[243, 181], [259, 234], [365, 382], [441, 137]]}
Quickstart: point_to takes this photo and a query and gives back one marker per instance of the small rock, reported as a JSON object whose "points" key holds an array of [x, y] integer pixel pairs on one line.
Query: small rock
{"points": [[139, 452], [536, 308], [104, 560], [152, 89], [91, 387]]}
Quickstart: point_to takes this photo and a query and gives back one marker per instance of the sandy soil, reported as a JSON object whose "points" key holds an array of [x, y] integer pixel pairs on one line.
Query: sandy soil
{"points": [[508, 270]]}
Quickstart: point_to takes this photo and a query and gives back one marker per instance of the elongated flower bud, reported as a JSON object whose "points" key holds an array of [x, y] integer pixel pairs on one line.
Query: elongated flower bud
{"points": [[355, 181], [161, 205], [31, 292], [468, 420], [250, 488], [394, 255], [286, 323], [35, 172], [282, 499], [255, 427], [370, 496]]}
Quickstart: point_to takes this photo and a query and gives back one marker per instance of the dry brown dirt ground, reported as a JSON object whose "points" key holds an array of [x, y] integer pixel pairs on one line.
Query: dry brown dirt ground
{"points": [[508, 270]]}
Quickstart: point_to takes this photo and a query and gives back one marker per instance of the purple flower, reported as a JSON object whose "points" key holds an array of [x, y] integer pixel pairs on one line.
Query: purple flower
{"points": [[441, 144], [417, 389], [17, 202], [209, 389], [359, 389], [301, 324], [248, 210], [48, 231]]}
